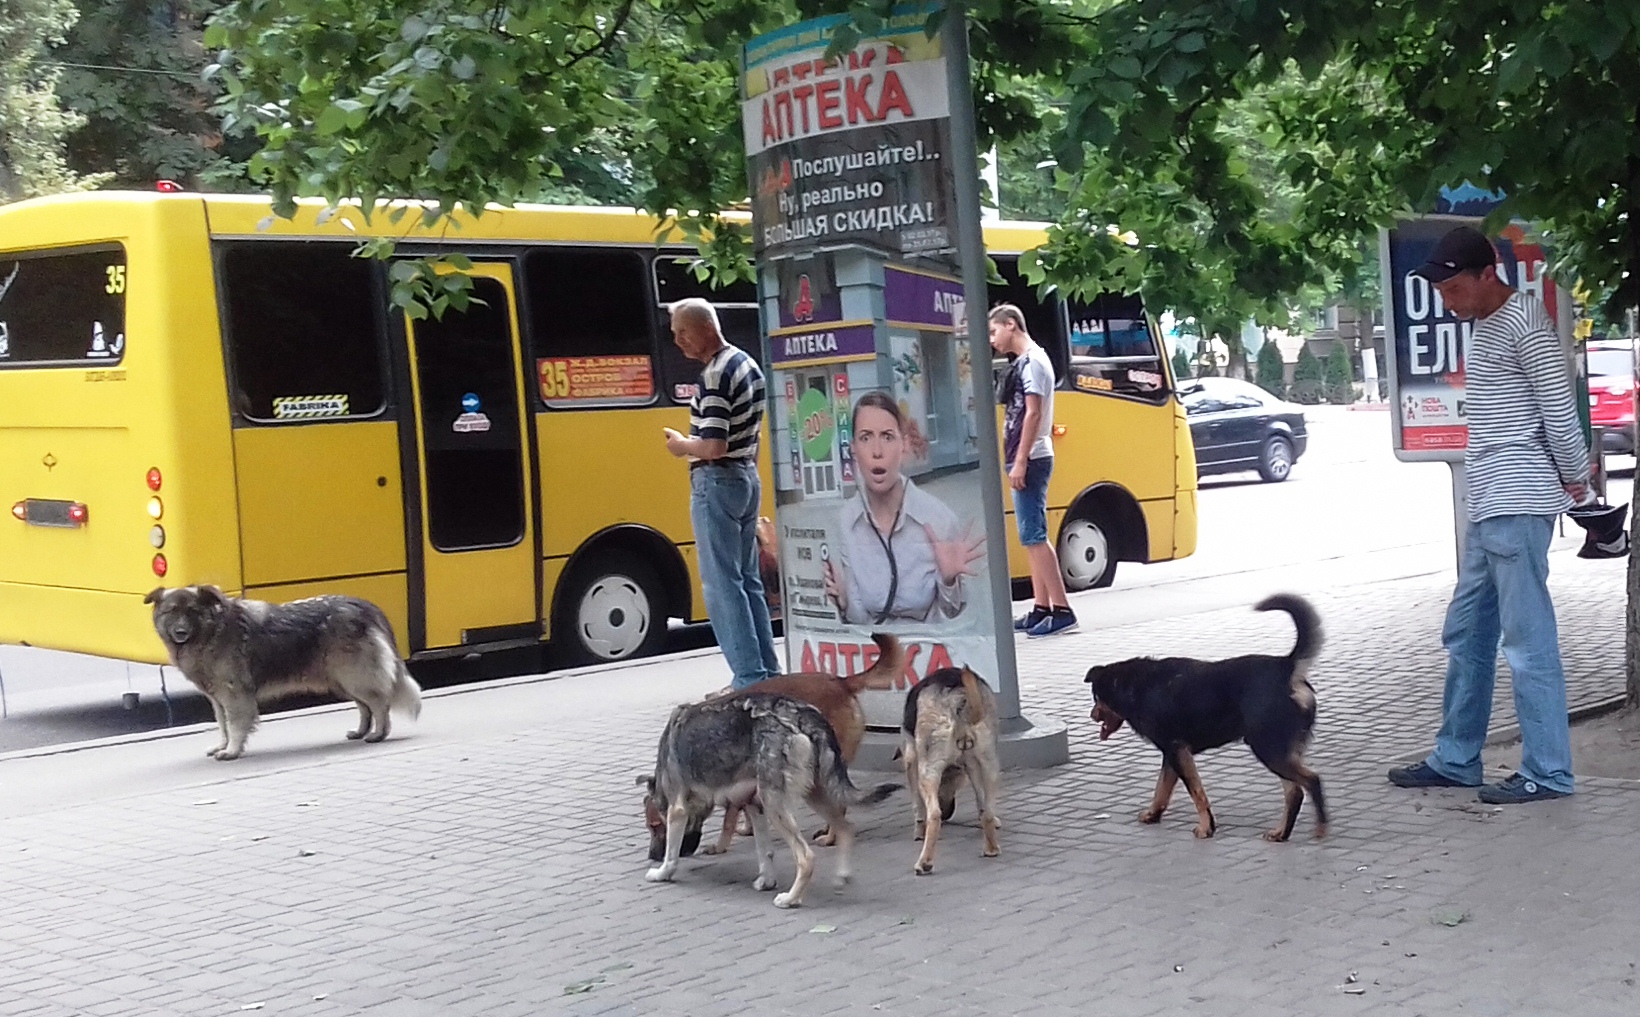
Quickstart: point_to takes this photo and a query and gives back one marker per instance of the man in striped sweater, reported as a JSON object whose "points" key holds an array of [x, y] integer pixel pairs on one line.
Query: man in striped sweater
{"points": [[1526, 463], [724, 489]]}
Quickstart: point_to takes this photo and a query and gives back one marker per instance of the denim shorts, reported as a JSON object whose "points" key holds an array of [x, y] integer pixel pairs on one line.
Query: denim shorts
{"points": [[1031, 504]]}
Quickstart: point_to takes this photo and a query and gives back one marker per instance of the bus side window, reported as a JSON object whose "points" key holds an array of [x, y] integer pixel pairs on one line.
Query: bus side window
{"points": [[303, 336], [736, 306], [1113, 349], [1044, 316], [590, 333]]}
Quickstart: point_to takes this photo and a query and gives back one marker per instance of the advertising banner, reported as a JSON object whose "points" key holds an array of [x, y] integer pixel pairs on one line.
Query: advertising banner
{"points": [[880, 520], [1427, 344]]}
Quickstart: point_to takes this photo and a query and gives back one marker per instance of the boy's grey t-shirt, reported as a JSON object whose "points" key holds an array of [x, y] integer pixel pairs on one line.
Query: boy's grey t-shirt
{"points": [[1033, 376]]}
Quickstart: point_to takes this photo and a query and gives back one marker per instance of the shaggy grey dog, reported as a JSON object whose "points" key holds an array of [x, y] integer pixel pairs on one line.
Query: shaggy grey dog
{"points": [[242, 652]]}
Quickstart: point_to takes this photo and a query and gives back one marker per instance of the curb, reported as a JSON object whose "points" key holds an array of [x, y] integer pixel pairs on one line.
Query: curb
{"points": [[158, 734], [1511, 732]]}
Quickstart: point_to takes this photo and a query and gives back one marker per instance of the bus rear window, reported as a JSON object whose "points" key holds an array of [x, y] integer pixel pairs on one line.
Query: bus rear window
{"points": [[62, 309], [1113, 349], [304, 340]]}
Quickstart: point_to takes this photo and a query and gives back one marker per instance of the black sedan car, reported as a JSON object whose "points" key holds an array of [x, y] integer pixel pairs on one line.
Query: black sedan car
{"points": [[1237, 426]]}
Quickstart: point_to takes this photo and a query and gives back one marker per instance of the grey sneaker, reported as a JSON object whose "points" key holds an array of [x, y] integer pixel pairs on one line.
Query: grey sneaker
{"points": [[1423, 775], [1515, 790]]}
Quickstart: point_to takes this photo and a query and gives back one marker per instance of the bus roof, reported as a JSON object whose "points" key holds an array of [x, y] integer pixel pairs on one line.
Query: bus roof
{"points": [[246, 215]]}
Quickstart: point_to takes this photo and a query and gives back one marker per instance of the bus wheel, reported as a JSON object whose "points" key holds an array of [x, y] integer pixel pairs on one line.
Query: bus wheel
{"points": [[613, 609], [1085, 556]]}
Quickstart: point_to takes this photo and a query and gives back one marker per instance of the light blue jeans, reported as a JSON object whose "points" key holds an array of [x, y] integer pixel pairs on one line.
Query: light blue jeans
{"points": [[1503, 592], [723, 503]]}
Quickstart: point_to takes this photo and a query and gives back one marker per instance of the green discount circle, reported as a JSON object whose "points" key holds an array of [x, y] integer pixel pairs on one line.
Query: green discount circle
{"points": [[816, 424]]}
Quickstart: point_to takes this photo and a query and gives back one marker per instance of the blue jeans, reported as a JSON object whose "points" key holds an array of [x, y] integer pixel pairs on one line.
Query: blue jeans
{"points": [[1031, 503], [723, 503], [1503, 592]]}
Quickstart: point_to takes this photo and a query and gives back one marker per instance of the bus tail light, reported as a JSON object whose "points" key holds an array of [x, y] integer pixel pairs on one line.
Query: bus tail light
{"points": [[161, 566], [154, 479], [1059, 430], [156, 536], [77, 514], [20, 510], [156, 508]]}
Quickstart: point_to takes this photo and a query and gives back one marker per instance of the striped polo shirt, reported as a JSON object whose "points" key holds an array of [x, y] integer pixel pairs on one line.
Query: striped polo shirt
{"points": [[1524, 436], [728, 402]]}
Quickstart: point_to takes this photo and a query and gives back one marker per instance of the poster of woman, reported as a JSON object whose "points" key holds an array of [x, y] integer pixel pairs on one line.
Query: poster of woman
{"points": [[901, 554]]}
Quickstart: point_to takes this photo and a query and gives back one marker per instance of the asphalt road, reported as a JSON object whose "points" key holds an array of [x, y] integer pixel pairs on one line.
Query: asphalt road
{"points": [[1350, 513]]}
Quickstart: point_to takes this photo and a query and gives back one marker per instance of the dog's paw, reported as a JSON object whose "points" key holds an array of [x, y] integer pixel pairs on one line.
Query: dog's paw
{"points": [[1321, 831], [1150, 816], [825, 838], [990, 852], [765, 883], [842, 883], [227, 754], [786, 900], [711, 849], [218, 750], [659, 874], [1275, 836], [354, 736], [374, 738], [923, 868], [917, 832], [1202, 831]]}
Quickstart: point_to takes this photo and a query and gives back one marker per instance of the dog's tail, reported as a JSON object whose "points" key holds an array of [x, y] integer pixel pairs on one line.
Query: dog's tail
{"points": [[890, 665], [970, 692], [406, 693], [1308, 623]]}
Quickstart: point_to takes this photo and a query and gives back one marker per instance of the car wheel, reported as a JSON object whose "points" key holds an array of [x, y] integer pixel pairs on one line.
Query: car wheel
{"points": [[613, 608], [1276, 461], [1087, 558]]}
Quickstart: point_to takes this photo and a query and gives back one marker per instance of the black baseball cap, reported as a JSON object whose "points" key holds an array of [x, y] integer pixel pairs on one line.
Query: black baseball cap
{"points": [[1465, 249]]}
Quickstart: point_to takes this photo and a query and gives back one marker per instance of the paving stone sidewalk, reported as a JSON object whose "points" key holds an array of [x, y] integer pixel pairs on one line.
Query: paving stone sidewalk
{"points": [[503, 876]]}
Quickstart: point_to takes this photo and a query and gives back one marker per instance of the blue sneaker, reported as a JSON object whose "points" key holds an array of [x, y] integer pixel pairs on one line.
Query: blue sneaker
{"points": [[1029, 620], [1055, 623], [1423, 775], [1516, 790]]}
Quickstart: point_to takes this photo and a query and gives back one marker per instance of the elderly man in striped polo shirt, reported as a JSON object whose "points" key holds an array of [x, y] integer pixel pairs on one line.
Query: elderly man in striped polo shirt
{"points": [[1526, 463], [724, 489]]}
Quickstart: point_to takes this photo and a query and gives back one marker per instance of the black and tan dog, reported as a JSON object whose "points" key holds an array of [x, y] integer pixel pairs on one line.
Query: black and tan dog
{"points": [[1185, 706], [949, 733]]}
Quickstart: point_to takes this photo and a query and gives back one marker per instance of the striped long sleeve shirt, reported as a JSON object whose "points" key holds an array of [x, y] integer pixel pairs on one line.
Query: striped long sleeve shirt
{"points": [[728, 403], [1524, 438]]}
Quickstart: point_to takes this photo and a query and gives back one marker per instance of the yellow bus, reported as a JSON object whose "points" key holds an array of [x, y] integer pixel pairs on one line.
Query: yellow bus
{"points": [[194, 391]]}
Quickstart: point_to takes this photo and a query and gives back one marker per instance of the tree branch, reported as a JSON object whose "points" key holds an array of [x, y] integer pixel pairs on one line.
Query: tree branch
{"points": [[606, 41]]}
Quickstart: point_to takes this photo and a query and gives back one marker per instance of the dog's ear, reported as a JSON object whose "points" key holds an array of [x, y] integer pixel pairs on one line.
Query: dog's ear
{"points": [[214, 597], [155, 595], [646, 780], [1093, 672]]}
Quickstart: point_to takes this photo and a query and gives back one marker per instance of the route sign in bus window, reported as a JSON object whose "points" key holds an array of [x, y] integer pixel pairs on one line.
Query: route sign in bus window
{"points": [[62, 309]]}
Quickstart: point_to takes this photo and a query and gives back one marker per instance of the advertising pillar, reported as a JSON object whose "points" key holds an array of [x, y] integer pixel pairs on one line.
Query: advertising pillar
{"points": [[881, 409], [1426, 345]]}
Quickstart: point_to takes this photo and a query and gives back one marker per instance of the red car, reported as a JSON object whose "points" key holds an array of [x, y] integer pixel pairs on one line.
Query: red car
{"points": [[1611, 393]]}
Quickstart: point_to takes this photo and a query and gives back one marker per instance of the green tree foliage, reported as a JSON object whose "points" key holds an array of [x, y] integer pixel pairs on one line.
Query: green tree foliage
{"points": [[1271, 370], [33, 123], [1340, 375], [131, 69], [1309, 377]]}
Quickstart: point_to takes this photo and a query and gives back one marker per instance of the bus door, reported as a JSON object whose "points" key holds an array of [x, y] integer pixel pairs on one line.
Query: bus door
{"points": [[477, 518]]}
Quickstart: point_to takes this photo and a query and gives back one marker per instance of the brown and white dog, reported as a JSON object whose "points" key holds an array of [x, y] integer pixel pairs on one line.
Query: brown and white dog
{"points": [[837, 699], [949, 732]]}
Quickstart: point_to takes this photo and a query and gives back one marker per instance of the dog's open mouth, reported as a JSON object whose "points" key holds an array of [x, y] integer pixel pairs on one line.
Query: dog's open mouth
{"points": [[1109, 723]]}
